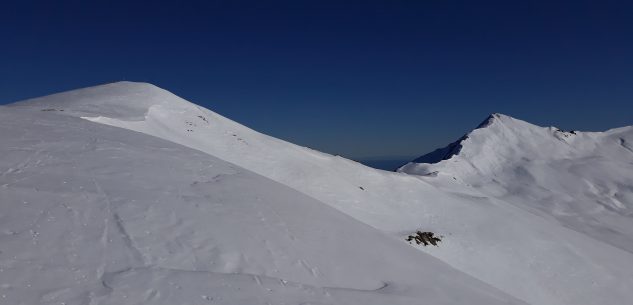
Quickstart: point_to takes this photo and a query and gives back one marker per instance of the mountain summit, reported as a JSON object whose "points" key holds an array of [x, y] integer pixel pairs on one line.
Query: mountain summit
{"points": [[95, 214], [577, 177], [501, 140]]}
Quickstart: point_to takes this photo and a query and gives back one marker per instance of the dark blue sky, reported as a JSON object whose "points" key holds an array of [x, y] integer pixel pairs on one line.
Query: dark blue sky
{"points": [[357, 78]]}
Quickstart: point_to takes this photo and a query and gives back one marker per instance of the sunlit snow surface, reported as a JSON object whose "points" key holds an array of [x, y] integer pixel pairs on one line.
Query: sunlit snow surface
{"points": [[93, 214], [583, 179], [187, 227]]}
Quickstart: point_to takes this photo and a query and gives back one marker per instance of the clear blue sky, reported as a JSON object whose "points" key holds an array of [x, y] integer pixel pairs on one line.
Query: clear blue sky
{"points": [[357, 78]]}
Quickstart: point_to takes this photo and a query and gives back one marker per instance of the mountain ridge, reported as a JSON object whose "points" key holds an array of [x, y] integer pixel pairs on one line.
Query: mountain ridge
{"points": [[96, 214], [541, 256], [505, 129]]}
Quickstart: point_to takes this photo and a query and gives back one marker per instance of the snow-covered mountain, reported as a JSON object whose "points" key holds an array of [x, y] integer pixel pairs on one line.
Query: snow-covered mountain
{"points": [[93, 214], [197, 206], [582, 179]]}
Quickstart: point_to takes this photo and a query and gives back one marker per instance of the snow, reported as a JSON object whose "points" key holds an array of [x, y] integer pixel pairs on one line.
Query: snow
{"points": [[582, 179], [93, 214], [540, 214]]}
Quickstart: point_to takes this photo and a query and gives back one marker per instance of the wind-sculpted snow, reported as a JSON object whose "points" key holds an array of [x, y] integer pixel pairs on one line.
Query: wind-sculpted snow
{"points": [[92, 214], [526, 252]]}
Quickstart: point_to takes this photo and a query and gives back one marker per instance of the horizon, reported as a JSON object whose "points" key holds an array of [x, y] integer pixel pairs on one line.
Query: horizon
{"points": [[365, 80], [388, 163]]}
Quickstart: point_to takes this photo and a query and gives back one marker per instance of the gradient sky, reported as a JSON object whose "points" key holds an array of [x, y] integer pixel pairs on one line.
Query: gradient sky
{"points": [[364, 79]]}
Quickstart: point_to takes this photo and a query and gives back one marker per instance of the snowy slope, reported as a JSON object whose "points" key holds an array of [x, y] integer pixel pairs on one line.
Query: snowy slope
{"points": [[92, 214], [528, 255], [582, 179]]}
